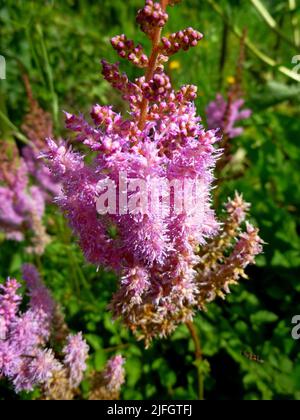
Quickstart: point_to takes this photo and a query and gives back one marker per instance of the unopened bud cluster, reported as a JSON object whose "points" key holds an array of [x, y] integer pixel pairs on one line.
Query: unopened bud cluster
{"points": [[187, 93], [180, 40], [127, 49], [121, 82], [151, 17], [158, 87]]}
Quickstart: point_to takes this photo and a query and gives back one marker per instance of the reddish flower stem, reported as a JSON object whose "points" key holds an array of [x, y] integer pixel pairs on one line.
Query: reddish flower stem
{"points": [[151, 68]]}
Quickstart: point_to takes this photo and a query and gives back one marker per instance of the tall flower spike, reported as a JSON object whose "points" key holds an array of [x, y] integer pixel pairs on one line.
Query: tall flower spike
{"points": [[40, 297], [76, 354], [107, 384], [162, 144], [43, 366], [224, 115], [58, 387], [9, 304], [223, 260], [38, 126], [24, 358], [154, 253], [9, 160], [114, 373], [22, 205]]}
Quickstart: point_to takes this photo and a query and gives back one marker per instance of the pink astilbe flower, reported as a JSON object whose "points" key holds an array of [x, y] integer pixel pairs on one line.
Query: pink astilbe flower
{"points": [[224, 115], [106, 385], [223, 261], [114, 373], [9, 304], [43, 365], [237, 209], [248, 247], [25, 334], [76, 354], [22, 207], [25, 359], [134, 284], [38, 126], [154, 252], [35, 370], [40, 297], [233, 267], [171, 145], [226, 112], [40, 173], [29, 330]]}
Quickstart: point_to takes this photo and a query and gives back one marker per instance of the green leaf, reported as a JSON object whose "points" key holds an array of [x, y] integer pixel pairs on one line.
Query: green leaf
{"points": [[263, 317]]}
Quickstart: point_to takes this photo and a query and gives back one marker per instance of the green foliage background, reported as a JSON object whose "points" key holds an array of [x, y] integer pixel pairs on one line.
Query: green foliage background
{"points": [[60, 43]]}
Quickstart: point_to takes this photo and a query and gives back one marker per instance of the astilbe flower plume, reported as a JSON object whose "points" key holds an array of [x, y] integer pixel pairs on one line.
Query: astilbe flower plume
{"points": [[154, 253], [107, 384], [224, 259], [224, 115], [25, 359], [22, 357], [226, 112], [22, 204], [39, 294], [76, 354], [38, 126]]}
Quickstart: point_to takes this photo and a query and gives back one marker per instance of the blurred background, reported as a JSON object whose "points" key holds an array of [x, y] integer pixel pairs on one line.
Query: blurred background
{"points": [[59, 45]]}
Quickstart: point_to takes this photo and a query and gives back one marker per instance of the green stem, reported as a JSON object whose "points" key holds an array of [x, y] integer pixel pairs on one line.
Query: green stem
{"points": [[198, 358], [223, 55], [65, 239], [5, 129], [38, 263], [270, 21], [252, 47], [55, 106], [78, 275], [295, 21], [35, 56], [15, 130]]}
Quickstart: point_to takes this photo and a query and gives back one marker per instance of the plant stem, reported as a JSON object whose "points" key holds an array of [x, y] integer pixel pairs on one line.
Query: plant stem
{"points": [[15, 130], [116, 348], [78, 275], [55, 106], [151, 68], [264, 13], [198, 358], [223, 55], [252, 47], [295, 21], [5, 128]]}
